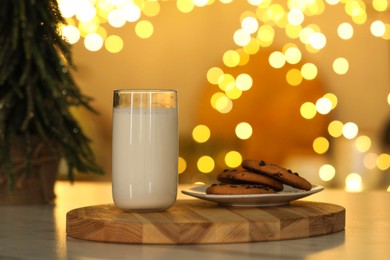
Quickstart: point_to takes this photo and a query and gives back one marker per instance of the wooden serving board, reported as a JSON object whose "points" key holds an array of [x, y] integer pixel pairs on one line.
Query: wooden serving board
{"points": [[199, 222]]}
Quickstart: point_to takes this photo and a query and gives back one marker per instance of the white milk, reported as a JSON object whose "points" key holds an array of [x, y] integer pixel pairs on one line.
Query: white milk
{"points": [[144, 158]]}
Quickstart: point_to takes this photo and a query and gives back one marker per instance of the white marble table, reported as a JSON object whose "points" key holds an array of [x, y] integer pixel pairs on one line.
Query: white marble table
{"points": [[38, 232]]}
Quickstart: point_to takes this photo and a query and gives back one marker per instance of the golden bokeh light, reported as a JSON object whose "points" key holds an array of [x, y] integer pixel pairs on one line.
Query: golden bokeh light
{"points": [[231, 58], [226, 81], [332, 2], [249, 24], [293, 31], [182, 165], [378, 28], [244, 81], [308, 110], [144, 29], [86, 28], [116, 18], [220, 102], [369, 160], [241, 37], [243, 130], [93, 42], [321, 145], [327, 172], [71, 33], [317, 40], [324, 105], [380, 5], [277, 59], [345, 31], [265, 35], [244, 55], [113, 44], [206, 164], [201, 133], [200, 3], [214, 74], [185, 6], [131, 12], [333, 99], [233, 92], [363, 143], [233, 159], [294, 77], [383, 161], [353, 182], [341, 66], [309, 71], [306, 32], [85, 11], [151, 8], [251, 48], [293, 55], [295, 17], [335, 128], [350, 130], [256, 2], [68, 8]]}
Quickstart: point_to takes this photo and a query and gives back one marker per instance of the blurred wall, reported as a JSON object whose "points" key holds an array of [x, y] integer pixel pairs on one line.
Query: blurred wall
{"points": [[184, 46]]}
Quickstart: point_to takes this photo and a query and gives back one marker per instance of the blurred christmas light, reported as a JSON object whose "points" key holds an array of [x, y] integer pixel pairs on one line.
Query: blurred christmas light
{"points": [[206, 164], [233, 159], [201, 133], [308, 110], [335, 128], [277, 59], [244, 81], [244, 130], [321, 145], [350, 130], [353, 182], [340, 66], [182, 165], [309, 71], [345, 31], [327, 172]]}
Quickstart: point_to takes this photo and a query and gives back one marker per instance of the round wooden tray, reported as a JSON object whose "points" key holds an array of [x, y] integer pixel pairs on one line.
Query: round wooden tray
{"points": [[200, 222]]}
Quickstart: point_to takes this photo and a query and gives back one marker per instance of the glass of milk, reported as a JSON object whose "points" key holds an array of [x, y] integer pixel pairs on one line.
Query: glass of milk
{"points": [[145, 149]]}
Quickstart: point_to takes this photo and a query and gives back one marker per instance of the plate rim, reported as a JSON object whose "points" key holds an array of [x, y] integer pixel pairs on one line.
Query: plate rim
{"points": [[283, 197]]}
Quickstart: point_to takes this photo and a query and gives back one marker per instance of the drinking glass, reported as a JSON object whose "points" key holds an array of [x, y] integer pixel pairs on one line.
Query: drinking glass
{"points": [[144, 149]]}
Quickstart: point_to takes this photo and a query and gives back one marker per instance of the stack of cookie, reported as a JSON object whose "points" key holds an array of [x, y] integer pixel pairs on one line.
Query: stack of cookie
{"points": [[256, 177]]}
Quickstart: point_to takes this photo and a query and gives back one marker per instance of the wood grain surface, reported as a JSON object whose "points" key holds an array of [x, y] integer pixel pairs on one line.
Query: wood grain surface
{"points": [[200, 222]]}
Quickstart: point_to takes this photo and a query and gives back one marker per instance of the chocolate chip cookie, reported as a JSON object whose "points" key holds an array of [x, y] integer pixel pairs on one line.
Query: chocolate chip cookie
{"points": [[235, 176], [277, 172], [238, 189]]}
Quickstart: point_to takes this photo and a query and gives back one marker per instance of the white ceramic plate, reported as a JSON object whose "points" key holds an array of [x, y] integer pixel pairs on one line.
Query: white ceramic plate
{"points": [[253, 200]]}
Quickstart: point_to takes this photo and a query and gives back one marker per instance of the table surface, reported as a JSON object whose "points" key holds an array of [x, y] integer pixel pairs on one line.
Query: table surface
{"points": [[38, 232]]}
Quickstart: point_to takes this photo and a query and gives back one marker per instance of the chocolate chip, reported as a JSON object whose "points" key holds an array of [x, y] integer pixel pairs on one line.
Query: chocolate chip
{"points": [[277, 175], [289, 171], [261, 163]]}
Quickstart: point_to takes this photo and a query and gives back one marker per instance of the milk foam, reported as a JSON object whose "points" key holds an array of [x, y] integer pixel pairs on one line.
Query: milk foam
{"points": [[144, 158]]}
